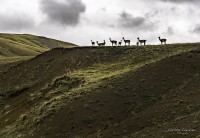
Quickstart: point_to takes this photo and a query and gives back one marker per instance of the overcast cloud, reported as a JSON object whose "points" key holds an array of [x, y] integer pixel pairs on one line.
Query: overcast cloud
{"points": [[66, 12], [181, 1], [136, 23], [197, 29], [15, 22], [79, 21]]}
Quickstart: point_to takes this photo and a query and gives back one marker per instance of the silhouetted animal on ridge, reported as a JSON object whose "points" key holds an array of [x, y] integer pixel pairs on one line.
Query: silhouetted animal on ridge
{"points": [[101, 44], [120, 43], [93, 43], [163, 40], [126, 41], [114, 42], [142, 41]]}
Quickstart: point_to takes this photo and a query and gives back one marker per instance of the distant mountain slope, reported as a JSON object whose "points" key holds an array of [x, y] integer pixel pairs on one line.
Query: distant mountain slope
{"points": [[12, 45], [91, 92]]}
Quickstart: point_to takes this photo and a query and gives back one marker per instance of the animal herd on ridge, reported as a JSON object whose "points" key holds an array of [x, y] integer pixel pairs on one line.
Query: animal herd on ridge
{"points": [[127, 42]]}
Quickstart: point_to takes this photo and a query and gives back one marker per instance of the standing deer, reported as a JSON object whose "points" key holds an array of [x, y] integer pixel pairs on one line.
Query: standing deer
{"points": [[120, 43], [101, 44], [142, 41], [93, 43], [162, 40], [114, 42], [126, 41]]}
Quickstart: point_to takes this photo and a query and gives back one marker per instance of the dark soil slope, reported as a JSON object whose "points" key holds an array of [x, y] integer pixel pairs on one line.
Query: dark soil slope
{"points": [[146, 103], [103, 92]]}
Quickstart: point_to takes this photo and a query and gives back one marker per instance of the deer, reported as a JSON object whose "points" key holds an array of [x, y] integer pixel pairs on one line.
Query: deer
{"points": [[114, 42], [101, 44], [120, 43], [126, 41], [163, 40], [142, 41], [93, 43]]}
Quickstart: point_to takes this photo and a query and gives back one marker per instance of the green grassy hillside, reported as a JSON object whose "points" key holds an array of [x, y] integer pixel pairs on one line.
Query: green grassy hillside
{"points": [[15, 46], [102, 92]]}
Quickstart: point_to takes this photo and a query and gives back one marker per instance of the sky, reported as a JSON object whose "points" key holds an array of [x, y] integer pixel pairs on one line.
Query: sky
{"points": [[80, 21]]}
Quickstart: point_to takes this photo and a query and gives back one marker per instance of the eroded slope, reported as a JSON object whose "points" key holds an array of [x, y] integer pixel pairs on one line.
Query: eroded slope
{"points": [[90, 92]]}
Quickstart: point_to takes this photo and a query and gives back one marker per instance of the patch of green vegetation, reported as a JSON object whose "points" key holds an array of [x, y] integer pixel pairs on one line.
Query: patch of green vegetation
{"points": [[6, 94], [11, 48], [47, 107], [7, 60], [11, 91], [67, 82], [23, 45]]}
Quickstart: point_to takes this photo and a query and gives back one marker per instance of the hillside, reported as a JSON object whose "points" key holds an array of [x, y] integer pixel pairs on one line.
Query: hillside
{"points": [[24, 46], [103, 92]]}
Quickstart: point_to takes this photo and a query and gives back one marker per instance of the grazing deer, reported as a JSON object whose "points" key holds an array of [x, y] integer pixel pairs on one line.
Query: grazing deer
{"points": [[162, 40], [142, 41], [114, 42], [93, 43], [120, 43], [137, 43], [101, 44], [126, 41]]}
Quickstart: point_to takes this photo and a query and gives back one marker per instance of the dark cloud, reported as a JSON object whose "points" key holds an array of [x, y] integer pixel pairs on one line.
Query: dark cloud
{"points": [[129, 21], [15, 22], [66, 12]]}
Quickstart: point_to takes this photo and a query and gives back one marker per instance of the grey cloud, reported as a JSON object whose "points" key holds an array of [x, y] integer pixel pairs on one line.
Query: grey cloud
{"points": [[104, 9], [170, 30], [181, 1], [197, 29], [129, 21], [65, 12], [15, 22]]}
